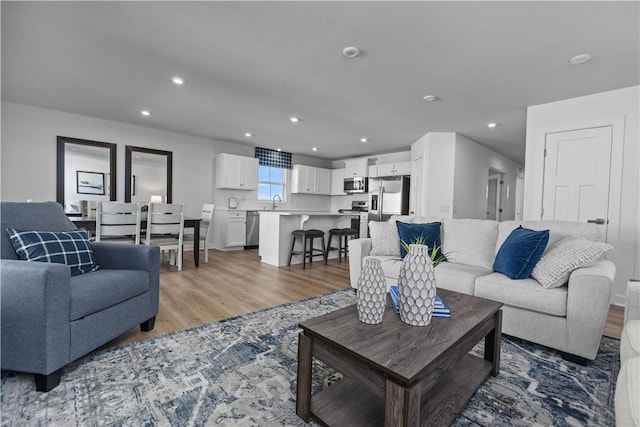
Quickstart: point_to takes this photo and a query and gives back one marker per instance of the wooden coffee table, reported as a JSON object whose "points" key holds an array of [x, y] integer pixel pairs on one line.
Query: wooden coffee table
{"points": [[396, 374]]}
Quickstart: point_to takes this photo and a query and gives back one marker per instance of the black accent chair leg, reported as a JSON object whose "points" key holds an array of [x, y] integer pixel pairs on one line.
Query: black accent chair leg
{"points": [[148, 325], [48, 382], [578, 360]]}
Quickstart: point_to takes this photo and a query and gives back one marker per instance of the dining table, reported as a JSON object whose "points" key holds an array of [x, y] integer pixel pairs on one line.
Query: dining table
{"points": [[89, 224]]}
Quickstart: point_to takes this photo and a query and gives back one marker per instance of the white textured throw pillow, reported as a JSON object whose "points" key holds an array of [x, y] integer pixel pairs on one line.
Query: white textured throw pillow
{"points": [[554, 268], [384, 239]]}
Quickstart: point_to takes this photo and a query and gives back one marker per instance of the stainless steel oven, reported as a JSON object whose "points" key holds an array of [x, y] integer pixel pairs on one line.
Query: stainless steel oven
{"points": [[359, 215]]}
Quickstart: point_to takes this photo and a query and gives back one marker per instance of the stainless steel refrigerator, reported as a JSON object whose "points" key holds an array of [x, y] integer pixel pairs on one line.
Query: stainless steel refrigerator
{"points": [[388, 196]]}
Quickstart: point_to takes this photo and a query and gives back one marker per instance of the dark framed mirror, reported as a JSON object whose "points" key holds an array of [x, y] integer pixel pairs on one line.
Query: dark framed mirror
{"points": [[148, 173], [86, 171]]}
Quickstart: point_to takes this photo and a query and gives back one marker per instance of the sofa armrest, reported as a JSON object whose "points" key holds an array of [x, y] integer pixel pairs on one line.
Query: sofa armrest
{"points": [[36, 300], [588, 299], [125, 256], [632, 308], [358, 249]]}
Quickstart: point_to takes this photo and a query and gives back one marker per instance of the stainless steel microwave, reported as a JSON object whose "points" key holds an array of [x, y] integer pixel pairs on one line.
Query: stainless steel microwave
{"points": [[356, 185]]}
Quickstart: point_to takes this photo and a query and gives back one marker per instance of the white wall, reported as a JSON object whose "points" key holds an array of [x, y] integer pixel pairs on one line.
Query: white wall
{"points": [[619, 108], [29, 153], [455, 171], [472, 163], [28, 158]]}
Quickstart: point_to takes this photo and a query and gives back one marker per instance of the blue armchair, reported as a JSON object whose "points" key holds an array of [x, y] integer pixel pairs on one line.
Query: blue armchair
{"points": [[50, 318]]}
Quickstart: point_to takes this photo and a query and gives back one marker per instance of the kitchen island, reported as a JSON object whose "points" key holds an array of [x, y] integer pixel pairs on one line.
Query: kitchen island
{"points": [[276, 228]]}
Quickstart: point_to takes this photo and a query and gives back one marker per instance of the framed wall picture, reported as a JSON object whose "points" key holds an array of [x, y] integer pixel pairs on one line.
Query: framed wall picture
{"points": [[89, 182]]}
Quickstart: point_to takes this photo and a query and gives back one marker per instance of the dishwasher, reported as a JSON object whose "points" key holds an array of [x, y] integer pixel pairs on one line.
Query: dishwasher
{"points": [[253, 229]]}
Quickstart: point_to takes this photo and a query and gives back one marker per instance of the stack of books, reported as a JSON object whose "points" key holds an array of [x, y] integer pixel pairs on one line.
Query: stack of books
{"points": [[440, 309]]}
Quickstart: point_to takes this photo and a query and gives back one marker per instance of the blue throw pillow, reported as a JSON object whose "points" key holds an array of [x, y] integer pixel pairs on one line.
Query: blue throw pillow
{"points": [[63, 247], [520, 252], [409, 232]]}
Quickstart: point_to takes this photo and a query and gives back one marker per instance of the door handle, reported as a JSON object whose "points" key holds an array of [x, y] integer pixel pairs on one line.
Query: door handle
{"points": [[596, 221]]}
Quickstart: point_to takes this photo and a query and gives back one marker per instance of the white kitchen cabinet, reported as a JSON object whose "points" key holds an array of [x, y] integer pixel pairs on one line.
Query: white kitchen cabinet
{"points": [[373, 171], [236, 228], [229, 232], [356, 168], [337, 182], [310, 180], [323, 181], [393, 169], [236, 172]]}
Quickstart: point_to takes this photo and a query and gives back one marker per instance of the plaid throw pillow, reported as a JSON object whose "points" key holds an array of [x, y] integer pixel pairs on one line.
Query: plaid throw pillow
{"points": [[63, 247]]}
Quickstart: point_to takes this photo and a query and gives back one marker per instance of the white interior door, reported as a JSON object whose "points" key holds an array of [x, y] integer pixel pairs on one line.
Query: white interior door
{"points": [[493, 197], [576, 176]]}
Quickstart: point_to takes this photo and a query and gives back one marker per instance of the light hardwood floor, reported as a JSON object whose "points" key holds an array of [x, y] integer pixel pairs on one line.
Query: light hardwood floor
{"points": [[235, 283]]}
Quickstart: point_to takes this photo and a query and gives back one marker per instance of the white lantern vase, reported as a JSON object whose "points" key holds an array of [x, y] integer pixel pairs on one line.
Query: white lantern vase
{"points": [[372, 292], [416, 287]]}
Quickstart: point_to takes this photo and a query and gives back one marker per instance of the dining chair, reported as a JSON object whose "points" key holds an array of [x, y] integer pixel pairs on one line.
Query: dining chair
{"points": [[165, 229], [118, 222], [206, 215]]}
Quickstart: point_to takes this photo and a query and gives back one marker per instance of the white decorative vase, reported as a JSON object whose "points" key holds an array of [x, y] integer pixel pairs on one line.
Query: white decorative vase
{"points": [[372, 293], [416, 287]]}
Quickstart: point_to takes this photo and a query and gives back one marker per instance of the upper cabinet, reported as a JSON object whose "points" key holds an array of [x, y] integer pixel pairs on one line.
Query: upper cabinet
{"points": [[310, 180], [236, 172], [392, 169], [356, 168], [337, 182]]}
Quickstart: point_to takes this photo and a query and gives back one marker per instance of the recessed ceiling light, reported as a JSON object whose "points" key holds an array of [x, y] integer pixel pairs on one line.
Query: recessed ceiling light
{"points": [[278, 149], [492, 125], [364, 140], [351, 51], [145, 112], [248, 134], [315, 148], [429, 98], [295, 119], [177, 80], [580, 59]]}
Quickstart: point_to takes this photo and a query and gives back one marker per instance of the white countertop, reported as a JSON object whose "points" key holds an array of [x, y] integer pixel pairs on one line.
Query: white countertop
{"points": [[310, 213]]}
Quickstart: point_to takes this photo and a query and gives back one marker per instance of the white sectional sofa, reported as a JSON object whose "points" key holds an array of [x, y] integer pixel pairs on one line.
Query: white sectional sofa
{"points": [[569, 318], [627, 399]]}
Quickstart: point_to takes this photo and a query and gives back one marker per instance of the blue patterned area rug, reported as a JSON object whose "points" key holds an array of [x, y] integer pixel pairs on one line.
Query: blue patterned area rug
{"points": [[242, 372]]}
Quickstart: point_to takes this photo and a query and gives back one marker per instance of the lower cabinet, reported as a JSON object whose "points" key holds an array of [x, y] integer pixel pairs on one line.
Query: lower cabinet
{"points": [[236, 228], [229, 229]]}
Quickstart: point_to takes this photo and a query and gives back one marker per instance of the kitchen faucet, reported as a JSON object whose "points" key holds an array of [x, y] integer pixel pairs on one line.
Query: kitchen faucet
{"points": [[274, 200]]}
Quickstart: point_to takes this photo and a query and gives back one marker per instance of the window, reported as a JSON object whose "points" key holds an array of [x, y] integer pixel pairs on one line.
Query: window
{"points": [[271, 172], [270, 182]]}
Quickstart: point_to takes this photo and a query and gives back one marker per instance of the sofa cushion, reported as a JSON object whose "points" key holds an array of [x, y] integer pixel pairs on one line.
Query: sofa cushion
{"points": [[554, 268], [525, 293], [105, 288], [411, 232], [384, 239], [630, 340], [390, 266], [458, 277], [520, 252], [558, 230], [628, 394], [62, 247], [470, 241]]}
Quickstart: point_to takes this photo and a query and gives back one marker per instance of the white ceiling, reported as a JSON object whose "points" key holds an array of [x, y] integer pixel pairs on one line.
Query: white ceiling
{"points": [[251, 65]]}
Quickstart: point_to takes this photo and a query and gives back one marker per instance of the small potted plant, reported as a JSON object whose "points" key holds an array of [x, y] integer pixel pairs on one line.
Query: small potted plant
{"points": [[436, 257]]}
